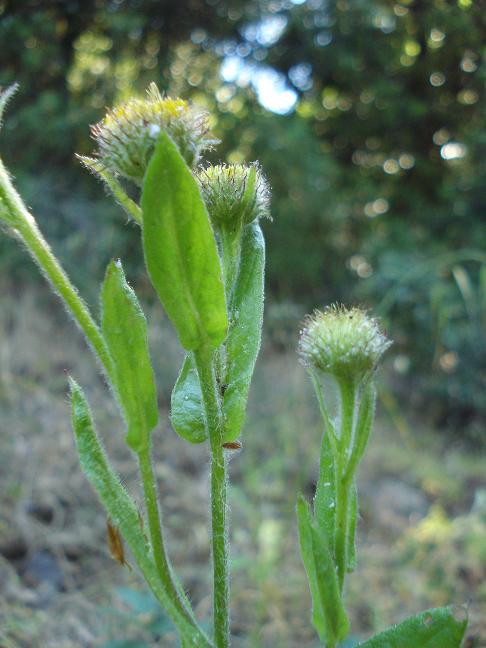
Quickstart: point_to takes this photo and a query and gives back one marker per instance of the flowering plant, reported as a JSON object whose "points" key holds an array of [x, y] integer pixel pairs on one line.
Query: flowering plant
{"points": [[205, 255]]}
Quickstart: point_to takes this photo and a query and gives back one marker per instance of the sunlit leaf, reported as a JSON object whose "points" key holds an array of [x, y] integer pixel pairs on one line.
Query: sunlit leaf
{"points": [[180, 249], [125, 331]]}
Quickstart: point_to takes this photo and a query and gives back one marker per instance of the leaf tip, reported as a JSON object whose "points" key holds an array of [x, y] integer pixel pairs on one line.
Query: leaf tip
{"points": [[5, 97]]}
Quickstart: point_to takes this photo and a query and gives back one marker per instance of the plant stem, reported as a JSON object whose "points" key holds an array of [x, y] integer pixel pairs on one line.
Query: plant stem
{"points": [[25, 227], [214, 422], [348, 396], [155, 527]]}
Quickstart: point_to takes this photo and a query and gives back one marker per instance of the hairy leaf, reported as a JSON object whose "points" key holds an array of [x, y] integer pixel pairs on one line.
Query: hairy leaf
{"points": [[353, 519], [125, 331], [187, 413], [239, 353], [119, 505], [180, 249], [244, 336], [325, 497], [328, 614], [435, 628], [5, 97]]}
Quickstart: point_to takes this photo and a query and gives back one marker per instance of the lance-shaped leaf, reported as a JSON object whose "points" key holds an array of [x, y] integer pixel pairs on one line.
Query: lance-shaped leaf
{"points": [[125, 331], [435, 628], [241, 350], [328, 614], [353, 521], [5, 97], [364, 425], [325, 497], [180, 249], [186, 412], [244, 336], [121, 508]]}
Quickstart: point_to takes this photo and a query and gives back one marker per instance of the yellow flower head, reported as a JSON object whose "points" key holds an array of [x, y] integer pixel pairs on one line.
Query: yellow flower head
{"points": [[127, 134]]}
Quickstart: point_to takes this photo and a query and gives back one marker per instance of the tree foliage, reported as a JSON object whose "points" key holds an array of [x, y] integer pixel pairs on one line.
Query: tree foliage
{"points": [[377, 159]]}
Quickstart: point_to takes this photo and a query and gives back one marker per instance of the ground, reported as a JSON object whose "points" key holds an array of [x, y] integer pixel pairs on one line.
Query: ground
{"points": [[422, 503]]}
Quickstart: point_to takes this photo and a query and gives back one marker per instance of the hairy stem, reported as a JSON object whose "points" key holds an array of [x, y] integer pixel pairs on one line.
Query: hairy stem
{"points": [[157, 540], [25, 227], [214, 422]]}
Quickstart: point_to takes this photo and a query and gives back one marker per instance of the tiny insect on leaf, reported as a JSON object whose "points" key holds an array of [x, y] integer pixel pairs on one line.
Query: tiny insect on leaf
{"points": [[232, 445]]}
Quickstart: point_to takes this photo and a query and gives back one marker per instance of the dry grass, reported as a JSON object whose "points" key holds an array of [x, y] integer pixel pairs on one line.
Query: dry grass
{"points": [[420, 544]]}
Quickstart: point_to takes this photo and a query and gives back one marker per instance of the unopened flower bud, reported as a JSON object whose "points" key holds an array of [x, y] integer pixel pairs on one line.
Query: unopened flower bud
{"points": [[234, 193], [126, 136], [345, 343]]}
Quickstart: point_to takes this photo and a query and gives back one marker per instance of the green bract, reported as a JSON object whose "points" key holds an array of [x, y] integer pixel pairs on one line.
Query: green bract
{"points": [[234, 194], [127, 135], [343, 342]]}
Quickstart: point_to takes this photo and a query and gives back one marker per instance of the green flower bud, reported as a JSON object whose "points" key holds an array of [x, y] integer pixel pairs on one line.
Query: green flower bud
{"points": [[234, 193], [345, 343], [126, 136]]}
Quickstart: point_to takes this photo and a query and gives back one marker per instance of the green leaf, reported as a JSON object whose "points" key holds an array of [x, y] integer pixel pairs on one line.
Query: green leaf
{"points": [[241, 350], [180, 249], [248, 198], [328, 614], [364, 425], [325, 497], [120, 506], [353, 520], [187, 413], [125, 331], [244, 335], [435, 628], [5, 97]]}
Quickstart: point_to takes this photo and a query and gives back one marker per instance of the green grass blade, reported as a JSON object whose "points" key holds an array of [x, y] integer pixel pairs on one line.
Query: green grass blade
{"points": [[180, 249], [435, 628], [125, 330]]}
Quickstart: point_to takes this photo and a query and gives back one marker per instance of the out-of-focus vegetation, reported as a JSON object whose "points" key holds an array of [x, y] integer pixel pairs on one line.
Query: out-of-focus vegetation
{"points": [[368, 118], [422, 506]]}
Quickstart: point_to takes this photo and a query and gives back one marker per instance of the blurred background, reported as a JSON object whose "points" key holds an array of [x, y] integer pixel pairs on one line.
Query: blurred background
{"points": [[369, 120]]}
